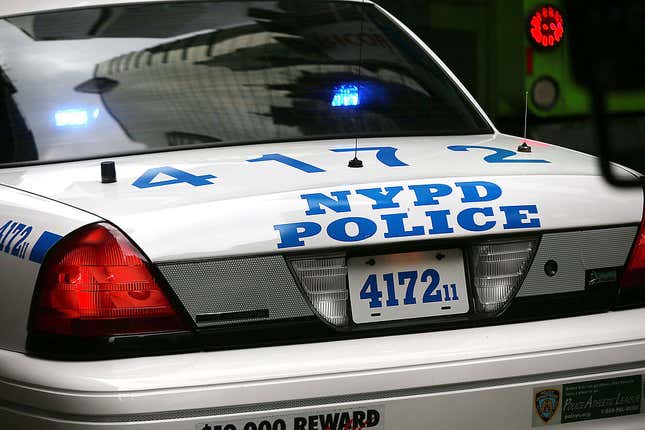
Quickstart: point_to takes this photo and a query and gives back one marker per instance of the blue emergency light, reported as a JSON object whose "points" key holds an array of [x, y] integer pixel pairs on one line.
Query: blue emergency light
{"points": [[345, 95]]}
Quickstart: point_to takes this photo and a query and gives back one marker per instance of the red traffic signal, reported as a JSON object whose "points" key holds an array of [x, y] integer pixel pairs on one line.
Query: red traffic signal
{"points": [[546, 27]]}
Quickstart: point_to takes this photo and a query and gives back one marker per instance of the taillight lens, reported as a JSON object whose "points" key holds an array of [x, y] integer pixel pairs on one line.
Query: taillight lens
{"points": [[324, 281], [634, 275], [499, 267], [95, 282]]}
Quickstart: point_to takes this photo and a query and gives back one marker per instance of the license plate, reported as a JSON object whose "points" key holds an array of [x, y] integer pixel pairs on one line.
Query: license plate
{"points": [[411, 285]]}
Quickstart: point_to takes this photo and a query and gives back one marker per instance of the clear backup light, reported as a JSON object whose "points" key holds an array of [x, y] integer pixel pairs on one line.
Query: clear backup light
{"points": [[324, 281], [498, 269]]}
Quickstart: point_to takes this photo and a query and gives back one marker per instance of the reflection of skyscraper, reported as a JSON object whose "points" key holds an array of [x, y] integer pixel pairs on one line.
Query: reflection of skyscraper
{"points": [[169, 89], [219, 84], [270, 78], [16, 140]]}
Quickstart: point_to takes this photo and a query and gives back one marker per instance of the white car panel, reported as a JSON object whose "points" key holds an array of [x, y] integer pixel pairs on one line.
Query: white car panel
{"points": [[220, 217], [48, 220], [245, 203], [495, 407], [490, 365]]}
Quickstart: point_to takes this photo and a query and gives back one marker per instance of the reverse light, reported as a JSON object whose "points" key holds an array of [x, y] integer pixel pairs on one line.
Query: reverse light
{"points": [[324, 281], [95, 282], [498, 269]]}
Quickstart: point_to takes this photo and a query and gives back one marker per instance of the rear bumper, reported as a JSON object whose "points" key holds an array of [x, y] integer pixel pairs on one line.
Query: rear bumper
{"points": [[482, 378]]}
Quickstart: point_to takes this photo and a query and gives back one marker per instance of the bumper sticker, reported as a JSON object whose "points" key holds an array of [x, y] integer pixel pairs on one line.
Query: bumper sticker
{"points": [[338, 419], [587, 400]]}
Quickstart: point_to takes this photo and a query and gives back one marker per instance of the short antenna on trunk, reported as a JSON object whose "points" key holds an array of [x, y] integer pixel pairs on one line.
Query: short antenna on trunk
{"points": [[524, 147], [108, 172], [355, 162]]}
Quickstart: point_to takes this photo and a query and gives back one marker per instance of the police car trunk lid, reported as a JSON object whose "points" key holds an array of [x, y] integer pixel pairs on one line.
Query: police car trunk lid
{"points": [[302, 196]]}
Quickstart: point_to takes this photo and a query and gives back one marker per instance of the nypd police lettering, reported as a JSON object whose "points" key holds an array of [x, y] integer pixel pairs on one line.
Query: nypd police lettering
{"points": [[478, 214], [384, 154], [288, 161], [13, 236], [499, 155], [149, 178], [16, 240]]}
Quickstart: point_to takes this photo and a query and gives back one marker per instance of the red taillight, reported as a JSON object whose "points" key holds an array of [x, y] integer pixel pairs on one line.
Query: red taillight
{"points": [[95, 282], [634, 275]]}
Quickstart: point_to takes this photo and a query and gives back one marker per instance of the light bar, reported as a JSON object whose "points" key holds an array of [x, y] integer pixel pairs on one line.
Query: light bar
{"points": [[498, 269], [324, 281], [345, 95]]}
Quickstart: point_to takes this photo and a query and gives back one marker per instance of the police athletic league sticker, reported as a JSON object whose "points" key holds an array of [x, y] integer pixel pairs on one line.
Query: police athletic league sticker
{"points": [[587, 400], [547, 403], [355, 418]]}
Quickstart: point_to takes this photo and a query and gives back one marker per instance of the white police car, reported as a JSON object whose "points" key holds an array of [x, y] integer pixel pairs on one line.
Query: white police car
{"points": [[272, 215]]}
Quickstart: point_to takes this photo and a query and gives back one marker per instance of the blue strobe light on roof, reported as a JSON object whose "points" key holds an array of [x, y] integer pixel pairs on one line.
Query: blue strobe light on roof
{"points": [[345, 95]]}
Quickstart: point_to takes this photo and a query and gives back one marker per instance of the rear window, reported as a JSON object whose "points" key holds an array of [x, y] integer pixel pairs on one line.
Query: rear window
{"points": [[104, 81]]}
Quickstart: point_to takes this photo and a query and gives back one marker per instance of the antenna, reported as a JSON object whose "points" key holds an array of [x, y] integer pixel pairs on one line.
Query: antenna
{"points": [[355, 162], [524, 147]]}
